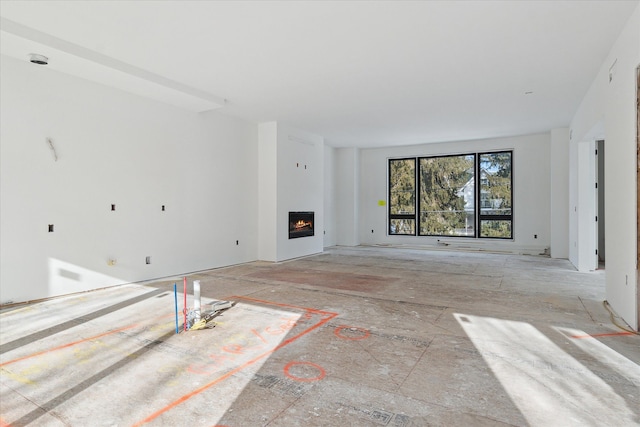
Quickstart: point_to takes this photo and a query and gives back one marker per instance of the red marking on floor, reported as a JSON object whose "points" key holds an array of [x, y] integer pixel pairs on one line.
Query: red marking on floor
{"points": [[327, 316], [320, 376], [3, 423], [341, 328], [326, 279], [71, 344], [256, 333], [613, 334]]}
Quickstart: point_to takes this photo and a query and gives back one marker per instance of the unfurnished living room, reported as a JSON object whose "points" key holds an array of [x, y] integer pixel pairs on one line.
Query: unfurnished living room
{"points": [[319, 213]]}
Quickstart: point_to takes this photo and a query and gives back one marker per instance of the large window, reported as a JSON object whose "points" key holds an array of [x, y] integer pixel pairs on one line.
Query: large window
{"points": [[467, 195]]}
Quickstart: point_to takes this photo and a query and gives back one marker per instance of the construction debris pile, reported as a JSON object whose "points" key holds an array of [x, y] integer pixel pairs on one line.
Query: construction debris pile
{"points": [[203, 320]]}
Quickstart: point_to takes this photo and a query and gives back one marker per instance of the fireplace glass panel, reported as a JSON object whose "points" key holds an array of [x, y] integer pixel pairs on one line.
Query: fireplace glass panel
{"points": [[300, 224]]}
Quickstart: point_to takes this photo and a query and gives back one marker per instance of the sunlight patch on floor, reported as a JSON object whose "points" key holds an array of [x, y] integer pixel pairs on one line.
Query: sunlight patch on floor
{"points": [[604, 354], [136, 351], [549, 386]]}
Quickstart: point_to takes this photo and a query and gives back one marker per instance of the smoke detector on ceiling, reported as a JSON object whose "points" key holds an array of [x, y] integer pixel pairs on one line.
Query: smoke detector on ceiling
{"points": [[38, 59]]}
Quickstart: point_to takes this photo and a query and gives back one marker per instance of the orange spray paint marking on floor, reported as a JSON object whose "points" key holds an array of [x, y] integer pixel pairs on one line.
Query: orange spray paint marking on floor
{"points": [[3, 423], [326, 316], [259, 336], [339, 329], [320, 376], [613, 334]]}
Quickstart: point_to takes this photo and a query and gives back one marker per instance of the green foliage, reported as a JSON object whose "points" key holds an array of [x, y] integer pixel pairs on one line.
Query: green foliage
{"points": [[496, 169], [495, 229], [403, 226], [441, 201], [402, 186]]}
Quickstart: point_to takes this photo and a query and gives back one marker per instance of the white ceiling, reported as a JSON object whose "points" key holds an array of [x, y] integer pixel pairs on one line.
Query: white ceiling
{"points": [[359, 73]]}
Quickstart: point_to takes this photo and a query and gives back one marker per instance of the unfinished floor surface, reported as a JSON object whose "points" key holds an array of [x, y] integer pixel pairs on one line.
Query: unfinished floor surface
{"points": [[350, 337]]}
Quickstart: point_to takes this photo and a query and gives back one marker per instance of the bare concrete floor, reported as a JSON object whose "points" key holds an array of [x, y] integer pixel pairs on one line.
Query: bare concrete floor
{"points": [[351, 337]]}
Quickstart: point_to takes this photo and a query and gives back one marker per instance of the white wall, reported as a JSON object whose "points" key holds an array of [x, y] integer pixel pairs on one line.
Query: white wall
{"points": [[611, 101], [348, 199], [330, 191], [115, 148], [267, 191], [531, 180], [559, 167]]}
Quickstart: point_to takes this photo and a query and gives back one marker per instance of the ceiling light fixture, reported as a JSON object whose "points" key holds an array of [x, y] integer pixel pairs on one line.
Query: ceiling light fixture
{"points": [[38, 59]]}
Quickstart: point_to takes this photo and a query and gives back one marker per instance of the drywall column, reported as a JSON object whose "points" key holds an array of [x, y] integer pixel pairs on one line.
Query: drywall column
{"points": [[587, 227], [267, 190], [300, 189], [348, 172], [559, 239], [330, 191], [290, 174]]}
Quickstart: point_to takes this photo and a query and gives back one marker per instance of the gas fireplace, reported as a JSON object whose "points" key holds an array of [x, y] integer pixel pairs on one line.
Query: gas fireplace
{"points": [[300, 224]]}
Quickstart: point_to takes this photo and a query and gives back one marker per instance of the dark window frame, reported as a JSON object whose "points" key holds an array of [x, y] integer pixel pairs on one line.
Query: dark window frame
{"points": [[478, 216]]}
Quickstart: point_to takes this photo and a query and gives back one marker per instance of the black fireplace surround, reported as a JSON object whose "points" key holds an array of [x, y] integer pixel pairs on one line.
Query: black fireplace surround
{"points": [[300, 224]]}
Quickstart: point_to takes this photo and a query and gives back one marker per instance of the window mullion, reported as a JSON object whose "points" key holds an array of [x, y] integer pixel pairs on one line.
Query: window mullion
{"points": [[418, 198]]}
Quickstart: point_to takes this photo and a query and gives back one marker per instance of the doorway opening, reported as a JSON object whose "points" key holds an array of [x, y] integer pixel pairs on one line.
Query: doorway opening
{"points": [[600, 197]]}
